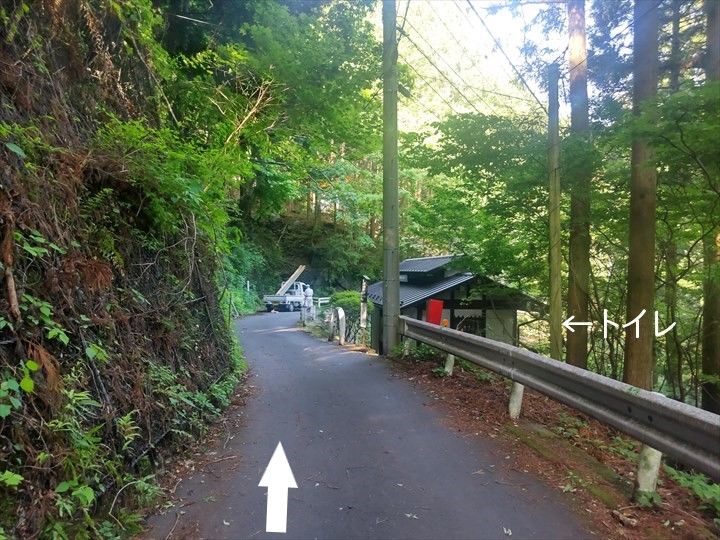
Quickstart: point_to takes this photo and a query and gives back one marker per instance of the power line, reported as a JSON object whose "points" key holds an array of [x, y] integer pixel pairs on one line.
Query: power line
{"points": [[517, 71], [428, 84], [474, 63], [465, 19], [402, 28], [452, 34], [440, 71], [486, 91], [438, 55]]}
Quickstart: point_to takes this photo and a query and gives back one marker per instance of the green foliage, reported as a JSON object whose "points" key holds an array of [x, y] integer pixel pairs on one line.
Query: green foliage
{"points": [[624, 447], [179, 184], [35, 244], [424, 352], [40, 313], [10, 396], [648, 499], [128, 429], [440, 372], [482, 375], [10, 479], [398, 351], [701, 486], [569, 426], [488, 192], [326, 61], [191, 408], [95, 352]]}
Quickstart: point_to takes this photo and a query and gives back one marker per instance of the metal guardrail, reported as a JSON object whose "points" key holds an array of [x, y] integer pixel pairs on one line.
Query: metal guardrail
{"points": [[322, 301], [689, 434]]}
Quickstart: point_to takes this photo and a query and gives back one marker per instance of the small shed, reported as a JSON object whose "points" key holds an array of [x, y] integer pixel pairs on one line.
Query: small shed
{"points": [[471, 303]]}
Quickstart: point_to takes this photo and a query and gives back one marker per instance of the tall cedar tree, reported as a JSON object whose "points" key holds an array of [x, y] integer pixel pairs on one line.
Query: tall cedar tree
{"points": [[711, 246], [673, 360], [579, 275], [643, 181]]}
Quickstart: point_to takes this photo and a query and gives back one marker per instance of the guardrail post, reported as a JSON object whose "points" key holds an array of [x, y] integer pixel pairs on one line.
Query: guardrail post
{"points": [[516, 396], [408, 346], [648, 470], [449, 364], [341, 324]]}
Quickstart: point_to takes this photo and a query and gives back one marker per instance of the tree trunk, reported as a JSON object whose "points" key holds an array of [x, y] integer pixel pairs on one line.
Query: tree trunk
{"points": [[580, 175], [711, 323], [643, 181], [711, 248], [555, 255], [673, 373], [675, 52], [318, 211], [673, 364]]}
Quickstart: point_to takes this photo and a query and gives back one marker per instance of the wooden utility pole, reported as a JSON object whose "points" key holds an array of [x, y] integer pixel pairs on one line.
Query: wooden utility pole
{"points": [[643, 185], [579, 180], [391, 235], [554, 213]]}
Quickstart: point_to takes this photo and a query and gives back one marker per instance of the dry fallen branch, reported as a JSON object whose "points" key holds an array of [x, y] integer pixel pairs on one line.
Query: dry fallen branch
{"points": [[261, 100], [7, 248]]}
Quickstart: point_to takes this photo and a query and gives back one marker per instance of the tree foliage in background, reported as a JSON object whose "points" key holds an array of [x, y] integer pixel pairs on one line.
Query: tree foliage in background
{"points": [[488, 198]]}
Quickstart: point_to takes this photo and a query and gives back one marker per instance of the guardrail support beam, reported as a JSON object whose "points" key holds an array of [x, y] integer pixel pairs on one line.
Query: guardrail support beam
{"points": [[648, 470], [516, 398], [449, 364], [408, 346]]}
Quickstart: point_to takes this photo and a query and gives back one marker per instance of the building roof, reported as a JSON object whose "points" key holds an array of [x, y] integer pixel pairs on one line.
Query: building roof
{"points": [[425, 264], [412, 293]]}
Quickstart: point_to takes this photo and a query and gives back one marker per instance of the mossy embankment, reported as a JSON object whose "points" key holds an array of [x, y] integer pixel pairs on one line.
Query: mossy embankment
{"points": [[114, 342]]}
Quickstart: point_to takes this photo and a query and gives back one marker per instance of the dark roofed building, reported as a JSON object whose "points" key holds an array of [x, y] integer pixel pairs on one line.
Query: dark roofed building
{"points": [[471, 303]]}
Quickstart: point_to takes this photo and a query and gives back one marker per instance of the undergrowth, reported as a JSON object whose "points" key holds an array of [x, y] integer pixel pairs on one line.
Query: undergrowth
{"points": [[115, 338]]}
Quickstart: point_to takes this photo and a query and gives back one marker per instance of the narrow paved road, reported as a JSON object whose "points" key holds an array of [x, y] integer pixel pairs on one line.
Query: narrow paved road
{"points": [[371, 459]]}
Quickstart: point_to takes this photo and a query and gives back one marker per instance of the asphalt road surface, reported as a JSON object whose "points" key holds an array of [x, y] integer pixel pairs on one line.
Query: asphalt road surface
{"points": [[370, 457]]}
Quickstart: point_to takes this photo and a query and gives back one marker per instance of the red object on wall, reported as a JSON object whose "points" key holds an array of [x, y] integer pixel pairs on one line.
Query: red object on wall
{"points": [[434, 311]]}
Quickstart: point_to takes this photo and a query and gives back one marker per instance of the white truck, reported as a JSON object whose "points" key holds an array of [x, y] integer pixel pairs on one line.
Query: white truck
{"points": [[290, 296], [290, 301]]}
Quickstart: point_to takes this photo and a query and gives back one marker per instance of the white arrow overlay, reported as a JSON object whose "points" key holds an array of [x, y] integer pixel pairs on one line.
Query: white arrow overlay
{"points": [[278, 478], [569, 324]]}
